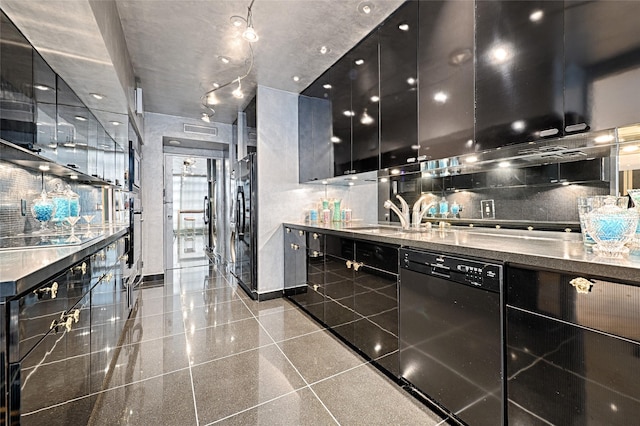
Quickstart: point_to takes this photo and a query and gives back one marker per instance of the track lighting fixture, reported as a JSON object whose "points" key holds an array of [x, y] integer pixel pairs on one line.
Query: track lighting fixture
{"points": [[250, 35]]}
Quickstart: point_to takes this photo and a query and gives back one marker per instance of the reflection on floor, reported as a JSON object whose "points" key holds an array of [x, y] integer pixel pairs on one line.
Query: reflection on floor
{"points": [[198, 351], [188, 250]]}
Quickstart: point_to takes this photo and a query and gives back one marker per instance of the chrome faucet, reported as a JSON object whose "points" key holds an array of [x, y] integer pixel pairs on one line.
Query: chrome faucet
{"points": [[420, 209], [403, 215]]}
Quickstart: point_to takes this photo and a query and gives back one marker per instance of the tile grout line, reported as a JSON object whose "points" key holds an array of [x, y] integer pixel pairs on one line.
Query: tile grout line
{"points": [[294, 367]]}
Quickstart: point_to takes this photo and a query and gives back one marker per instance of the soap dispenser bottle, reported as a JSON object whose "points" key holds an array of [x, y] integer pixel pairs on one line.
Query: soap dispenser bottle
{"points": [[444, 207]]}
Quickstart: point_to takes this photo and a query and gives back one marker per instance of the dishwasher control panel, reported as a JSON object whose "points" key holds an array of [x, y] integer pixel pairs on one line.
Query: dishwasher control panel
{"points": [[473, 272]]}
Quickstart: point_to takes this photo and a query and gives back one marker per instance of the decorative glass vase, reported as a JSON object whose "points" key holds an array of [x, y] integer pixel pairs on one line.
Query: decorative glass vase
{"points": [[43, 210], [611, 227]]}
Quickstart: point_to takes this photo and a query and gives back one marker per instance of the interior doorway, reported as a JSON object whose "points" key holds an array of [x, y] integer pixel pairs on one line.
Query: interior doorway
{"points": [[186, 187]]}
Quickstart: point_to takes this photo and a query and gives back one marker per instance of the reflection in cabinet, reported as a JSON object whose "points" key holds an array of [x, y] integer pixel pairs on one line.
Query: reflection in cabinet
{"points": [[398, 86], [341, 116], [365, 96], [571, 344], [17, 122], [601, 65], [519, 77], [62, 336], [352, 288], [446, 73]]}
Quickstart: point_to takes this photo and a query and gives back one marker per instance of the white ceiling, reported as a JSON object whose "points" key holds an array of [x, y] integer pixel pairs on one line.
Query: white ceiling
{"points": [[175, 45]]}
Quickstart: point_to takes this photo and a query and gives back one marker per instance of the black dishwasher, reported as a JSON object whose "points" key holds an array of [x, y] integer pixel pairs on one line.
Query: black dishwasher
{"points": [[450, 333]]}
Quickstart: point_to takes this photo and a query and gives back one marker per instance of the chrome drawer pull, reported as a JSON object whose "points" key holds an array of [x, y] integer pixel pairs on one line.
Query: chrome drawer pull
{"points": [[315, 236], [357, 266], [301, 233], [349, 263], [53, 290], [582, 285]]}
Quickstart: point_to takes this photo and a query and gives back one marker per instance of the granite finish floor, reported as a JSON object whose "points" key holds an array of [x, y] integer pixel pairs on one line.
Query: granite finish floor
{"points": [[198, 351]]}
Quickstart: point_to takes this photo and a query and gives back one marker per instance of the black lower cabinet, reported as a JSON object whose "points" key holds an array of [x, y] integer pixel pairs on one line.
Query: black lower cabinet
{"points": [[62, 338], [571, 356], [352, 288]]}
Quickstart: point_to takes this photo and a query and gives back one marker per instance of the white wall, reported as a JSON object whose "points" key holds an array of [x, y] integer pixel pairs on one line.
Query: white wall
{"points": [[152, 180], [280, 197]]}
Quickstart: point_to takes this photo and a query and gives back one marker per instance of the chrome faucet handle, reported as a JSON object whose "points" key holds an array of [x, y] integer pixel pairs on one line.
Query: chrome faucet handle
{"points": [[403, 203]]}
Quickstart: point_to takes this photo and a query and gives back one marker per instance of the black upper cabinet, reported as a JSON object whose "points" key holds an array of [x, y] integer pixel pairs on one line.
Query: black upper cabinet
{"points": [[17, 123], [445, 66], [602, 64], [398, 38], [365, 96], [341, 116], [519, 71]]}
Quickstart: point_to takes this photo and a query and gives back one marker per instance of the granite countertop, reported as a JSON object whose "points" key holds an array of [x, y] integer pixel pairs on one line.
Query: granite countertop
{"points": [[21, 269], [561, 251]]}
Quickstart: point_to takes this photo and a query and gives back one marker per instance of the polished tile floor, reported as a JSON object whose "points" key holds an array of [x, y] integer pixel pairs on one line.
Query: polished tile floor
{"points": [[198, 351]]}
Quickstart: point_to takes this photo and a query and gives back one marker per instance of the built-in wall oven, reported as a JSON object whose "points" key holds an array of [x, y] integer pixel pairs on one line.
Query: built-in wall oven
{"points": [[451, 333]]}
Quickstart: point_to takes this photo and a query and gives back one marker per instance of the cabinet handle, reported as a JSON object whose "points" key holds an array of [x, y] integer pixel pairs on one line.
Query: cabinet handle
{"points": [[315, 253], [66, 320], [357, 266], [315, 236], [124, 257], [53, 290], [288, 230], [301, 233], [548, 132], [295, 246], [349, 263], [582, 285]]}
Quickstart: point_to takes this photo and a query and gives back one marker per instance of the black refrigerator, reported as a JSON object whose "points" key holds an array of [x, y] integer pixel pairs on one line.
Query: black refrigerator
{"points": [[245, 225]]}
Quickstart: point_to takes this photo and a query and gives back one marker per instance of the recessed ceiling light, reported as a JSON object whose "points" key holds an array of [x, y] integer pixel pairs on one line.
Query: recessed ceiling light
{"points": [[324, 50], [349, 113], [42, 87], [630, 148], [604, 139], [383, 180], [374, 98], [403, 27], [395, 171], [237, 21], [44, 167], [224, 59], [440, 97], [98, 96], [115, 123], [80, 118], [504, 164], [411, 81], [335, 139], [518, 126], [536, 15], [365, 7], [296, 78], [327, 86], [174, 142], [359, 61]]}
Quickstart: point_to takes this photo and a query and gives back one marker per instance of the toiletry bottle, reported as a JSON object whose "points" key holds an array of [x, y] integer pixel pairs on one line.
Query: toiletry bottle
{"points": [[455, 209]]}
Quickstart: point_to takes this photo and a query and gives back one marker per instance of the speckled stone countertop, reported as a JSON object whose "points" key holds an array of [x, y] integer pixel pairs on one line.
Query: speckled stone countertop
{"points": [[22, 269], [559, 251]]}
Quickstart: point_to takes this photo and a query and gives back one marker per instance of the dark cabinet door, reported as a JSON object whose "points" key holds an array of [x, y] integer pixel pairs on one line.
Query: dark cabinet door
{"points": [[294, 258], [519, 71], [398, 38], [365, 96], [445, 75], [339, 285], [569, 352], [602, 65], [341, 116], [17, 119]]}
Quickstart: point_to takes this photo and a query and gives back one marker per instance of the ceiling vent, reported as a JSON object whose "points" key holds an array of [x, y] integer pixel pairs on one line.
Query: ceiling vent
{"points": [[201, 130]]}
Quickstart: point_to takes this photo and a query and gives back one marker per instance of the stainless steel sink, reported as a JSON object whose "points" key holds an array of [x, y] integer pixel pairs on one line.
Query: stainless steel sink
{"points": [[374, 229]]}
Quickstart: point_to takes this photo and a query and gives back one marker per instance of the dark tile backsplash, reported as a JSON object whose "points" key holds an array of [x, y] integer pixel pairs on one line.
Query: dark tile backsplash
{"points": [[18, 184], [546, 204]]}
